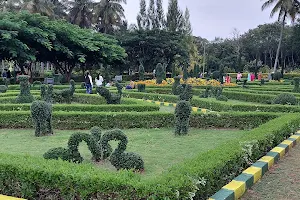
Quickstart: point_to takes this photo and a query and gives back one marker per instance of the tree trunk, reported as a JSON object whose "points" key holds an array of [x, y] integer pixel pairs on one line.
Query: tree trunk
{"points": [[279, 45]]}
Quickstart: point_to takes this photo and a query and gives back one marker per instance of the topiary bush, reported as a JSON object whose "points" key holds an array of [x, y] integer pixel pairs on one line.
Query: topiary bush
{"points": [[65, 95], [216, 75], [296, 85], [222, 98], [72, 153], [141, 72], [25, 95], [185, 92], [182, 117], [285, 99], [277, 76], [119, 158], [185, 73], [82, 85], [41, 113], [141, 87], [175, 85], [159, 73], [206, 93], [3, 88], [47, 93], [111, 98]]}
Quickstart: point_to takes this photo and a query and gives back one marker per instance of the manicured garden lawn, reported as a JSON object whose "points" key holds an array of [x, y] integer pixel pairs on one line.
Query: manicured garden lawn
{"points": [[159, 148]]}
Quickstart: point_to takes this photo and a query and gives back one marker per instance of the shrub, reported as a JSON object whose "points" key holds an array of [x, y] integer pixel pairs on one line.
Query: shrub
{"points": [[185, 92], [141, 87], [3, 88], [206, 92], [141, 72], [285, 99], [221, 98], [110, 98], [65, 95], [296, 85], [25, 95], [41, 113], [262, 81], [182, 117], [159, 73], [277, 76], [82, 85], [119, 158], [216, 75], [57, 153], [175, 85], [47, 93], [38, 83], [185, 73]]}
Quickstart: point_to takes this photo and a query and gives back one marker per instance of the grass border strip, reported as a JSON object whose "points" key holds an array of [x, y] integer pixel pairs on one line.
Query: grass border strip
{"points": [[238, 186], [195, 109]]}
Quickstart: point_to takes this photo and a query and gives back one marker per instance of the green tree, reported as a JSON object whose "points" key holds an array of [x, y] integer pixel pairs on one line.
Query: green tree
{"points": [[175, 19], [44, 7], [109, 14], [152, 16], [142, 16], [286, 9], [160, 15], [81, 13]]}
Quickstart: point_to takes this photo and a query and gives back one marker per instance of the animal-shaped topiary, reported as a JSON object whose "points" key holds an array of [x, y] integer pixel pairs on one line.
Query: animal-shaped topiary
{"points": [[25, 95], [47, 93], [111, 98], [185, 92], [182, 117], [72, 153], [120, 159], [41, 113], [65, 95]]}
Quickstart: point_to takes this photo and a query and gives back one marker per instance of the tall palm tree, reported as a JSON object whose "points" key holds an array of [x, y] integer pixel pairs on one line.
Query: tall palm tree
{"points": [[9, 5], [81, 13], [44, 7], [286, 9], [109, 14]]}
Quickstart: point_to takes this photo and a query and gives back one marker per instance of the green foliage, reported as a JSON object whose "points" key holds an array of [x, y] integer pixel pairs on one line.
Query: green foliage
{"points": [[25, 95], [221, 98], [141, 87], [296, 85], [111, 98], [175, 85], [159, 73], [141, 72], [3, 88], [41, 113], [182, 117], [64, 95], [277, 76], [185, 92], [57, 153], [185, 73], [82, 85], [216, 75], [119, 158], [285, 99], [47, 93]]}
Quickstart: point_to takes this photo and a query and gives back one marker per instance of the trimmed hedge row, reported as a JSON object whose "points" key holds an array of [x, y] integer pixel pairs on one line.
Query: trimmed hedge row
{"points": [[142, 107], [198, 177], [86, 120], [213, 104]]}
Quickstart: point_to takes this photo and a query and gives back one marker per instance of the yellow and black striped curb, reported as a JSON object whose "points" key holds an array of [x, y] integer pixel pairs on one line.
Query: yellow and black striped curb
{"points": [[3, 197], [195, 109], [237, 188]]}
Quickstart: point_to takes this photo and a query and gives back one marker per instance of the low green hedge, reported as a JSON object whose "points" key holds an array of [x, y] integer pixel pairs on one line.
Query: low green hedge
{"points": [[106, 120], [142, 107], [198, 177], [214, 105]]}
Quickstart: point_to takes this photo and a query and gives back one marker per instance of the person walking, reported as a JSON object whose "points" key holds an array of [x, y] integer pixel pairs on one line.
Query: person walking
{"points": [[99, 80], [88, 82]]}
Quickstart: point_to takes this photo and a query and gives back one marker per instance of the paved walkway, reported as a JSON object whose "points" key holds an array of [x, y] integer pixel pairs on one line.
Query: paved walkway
{"points": [[282, 182]]}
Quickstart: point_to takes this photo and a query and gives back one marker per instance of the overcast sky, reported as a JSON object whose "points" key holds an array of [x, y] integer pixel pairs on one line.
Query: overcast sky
{"points": [[215, 18]]}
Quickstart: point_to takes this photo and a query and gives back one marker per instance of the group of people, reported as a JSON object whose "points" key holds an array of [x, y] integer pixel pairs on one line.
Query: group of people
{"points": [[89, 84]]}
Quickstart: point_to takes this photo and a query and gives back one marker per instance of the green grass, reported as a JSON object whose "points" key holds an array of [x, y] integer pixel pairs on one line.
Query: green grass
{"points": [[159, 148]]}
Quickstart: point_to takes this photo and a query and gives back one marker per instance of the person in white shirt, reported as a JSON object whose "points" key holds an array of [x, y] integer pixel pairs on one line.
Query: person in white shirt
{"points": [[88, 82], [99, 80]]}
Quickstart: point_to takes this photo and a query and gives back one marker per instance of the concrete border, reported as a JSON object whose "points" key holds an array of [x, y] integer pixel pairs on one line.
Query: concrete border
{"points": [[238, 186]]}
